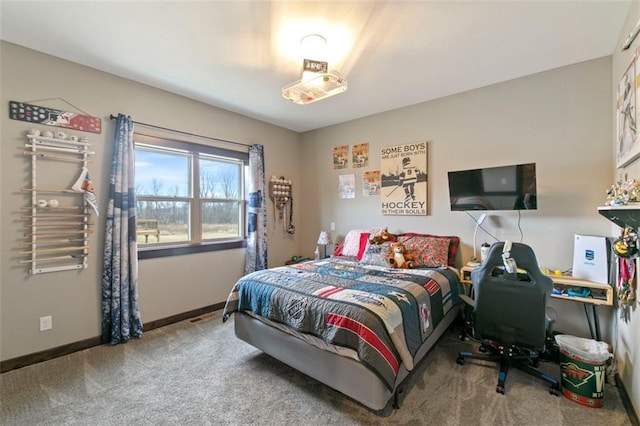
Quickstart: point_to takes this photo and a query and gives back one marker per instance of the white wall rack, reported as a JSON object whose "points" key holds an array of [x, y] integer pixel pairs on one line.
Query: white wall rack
{"points": [[57, 233]]}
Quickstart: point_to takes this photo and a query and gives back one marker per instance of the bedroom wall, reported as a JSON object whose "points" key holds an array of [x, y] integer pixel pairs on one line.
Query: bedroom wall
{"points": [[168, 286], [559, 119], [627, 333]]}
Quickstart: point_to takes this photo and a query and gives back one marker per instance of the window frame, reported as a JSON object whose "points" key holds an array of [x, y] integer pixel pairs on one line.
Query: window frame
{"points": [[194, 150]]}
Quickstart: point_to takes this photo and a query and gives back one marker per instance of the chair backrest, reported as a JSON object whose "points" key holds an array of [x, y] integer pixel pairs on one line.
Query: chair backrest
{"points": [[510, 307]]}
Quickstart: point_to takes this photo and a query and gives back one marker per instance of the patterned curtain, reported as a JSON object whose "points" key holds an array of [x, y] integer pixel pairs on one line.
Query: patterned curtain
{"points": [[120, 313], [257, 238]]}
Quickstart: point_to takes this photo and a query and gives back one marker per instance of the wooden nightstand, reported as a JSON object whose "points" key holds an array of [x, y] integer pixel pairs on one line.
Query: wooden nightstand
{"points": [[465, 274], [465, 279]]}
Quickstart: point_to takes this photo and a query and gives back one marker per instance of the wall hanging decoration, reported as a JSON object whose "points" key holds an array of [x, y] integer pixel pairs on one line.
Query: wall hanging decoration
{"points": [[54, 117], [57, 229], [404, 179], [340, 157], [347, 186], [627, 143], [626, 250], [281, 194], [371, 183], [360, 155]]}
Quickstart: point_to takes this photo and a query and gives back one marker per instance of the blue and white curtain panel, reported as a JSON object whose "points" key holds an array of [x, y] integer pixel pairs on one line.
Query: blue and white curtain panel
{"points": [[257, 212], [120, 312]]}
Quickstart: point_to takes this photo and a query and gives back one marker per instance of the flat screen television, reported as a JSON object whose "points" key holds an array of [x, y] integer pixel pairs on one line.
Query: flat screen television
{"points": [[494, 188]]}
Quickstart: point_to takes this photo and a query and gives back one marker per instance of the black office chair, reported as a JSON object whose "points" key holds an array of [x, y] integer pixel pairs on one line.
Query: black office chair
{"points": [[508, 313]]}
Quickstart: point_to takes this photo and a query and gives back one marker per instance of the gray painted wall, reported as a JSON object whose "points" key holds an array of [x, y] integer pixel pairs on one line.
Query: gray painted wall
{"points": [[627, 335], [559, 119], [168, 286]]}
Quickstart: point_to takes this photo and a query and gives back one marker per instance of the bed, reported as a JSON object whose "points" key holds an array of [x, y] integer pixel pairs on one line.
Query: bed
{"points": [[350, 322]]}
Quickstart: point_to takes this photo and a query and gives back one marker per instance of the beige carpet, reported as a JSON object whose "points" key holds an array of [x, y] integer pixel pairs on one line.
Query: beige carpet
{"points": [[199, 373]]}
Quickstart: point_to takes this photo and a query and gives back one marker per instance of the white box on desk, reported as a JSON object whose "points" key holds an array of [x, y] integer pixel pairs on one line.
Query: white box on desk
{"points": [[591, 258]]}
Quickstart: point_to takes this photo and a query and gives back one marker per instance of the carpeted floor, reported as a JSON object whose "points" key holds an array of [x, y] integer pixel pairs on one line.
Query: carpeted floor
{"points": [[198, 373]]}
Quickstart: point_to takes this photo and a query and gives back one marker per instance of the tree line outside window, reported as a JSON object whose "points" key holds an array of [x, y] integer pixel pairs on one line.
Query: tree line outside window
{"points": [[188, 193]]}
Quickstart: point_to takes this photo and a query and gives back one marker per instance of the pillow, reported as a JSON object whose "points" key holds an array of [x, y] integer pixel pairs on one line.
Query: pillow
{"points": [[430, 252], [376, 254], [364, 242], [351, 243], [454, 245], [355, 243]]}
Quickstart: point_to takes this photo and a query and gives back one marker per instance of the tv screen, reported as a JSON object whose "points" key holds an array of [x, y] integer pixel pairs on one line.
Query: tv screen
{"points": [[494, 188]]}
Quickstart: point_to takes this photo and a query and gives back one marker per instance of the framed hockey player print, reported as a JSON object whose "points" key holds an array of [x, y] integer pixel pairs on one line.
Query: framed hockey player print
{"points": [[404, 180]]}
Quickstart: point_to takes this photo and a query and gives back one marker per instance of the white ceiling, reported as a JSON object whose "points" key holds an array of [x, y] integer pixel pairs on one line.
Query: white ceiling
{"points": [[396, 53]]}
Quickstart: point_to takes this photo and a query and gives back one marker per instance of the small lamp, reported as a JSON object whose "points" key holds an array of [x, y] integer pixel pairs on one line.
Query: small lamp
{"points": [[474, 259], [323, 240]]}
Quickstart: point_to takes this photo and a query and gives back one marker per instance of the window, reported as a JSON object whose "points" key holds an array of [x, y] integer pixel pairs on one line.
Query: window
{"points": [[189, 197]]}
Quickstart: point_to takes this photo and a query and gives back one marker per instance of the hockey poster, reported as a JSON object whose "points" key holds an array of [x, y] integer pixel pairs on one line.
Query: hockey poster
{"points": [[404, 180], [371, 183], [340, 157], [347, 186], [360, 155]]}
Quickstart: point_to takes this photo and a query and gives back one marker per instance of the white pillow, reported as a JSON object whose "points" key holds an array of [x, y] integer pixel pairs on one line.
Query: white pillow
{"points": [[351, 244]]}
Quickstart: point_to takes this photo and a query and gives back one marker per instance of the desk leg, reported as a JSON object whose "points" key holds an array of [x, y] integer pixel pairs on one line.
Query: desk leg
{"points": [[586, 313], [596, 320]]}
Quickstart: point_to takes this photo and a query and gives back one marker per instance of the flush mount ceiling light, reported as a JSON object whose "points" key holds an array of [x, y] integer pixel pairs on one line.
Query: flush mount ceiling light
{"points": [[317, 81]]}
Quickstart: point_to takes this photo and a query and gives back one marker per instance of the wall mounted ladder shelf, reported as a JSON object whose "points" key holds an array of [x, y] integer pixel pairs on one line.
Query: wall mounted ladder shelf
{"points": [[58, 219]]}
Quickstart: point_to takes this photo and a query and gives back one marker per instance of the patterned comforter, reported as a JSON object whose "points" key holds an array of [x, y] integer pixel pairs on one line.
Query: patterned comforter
{"points": [[382, 314]]}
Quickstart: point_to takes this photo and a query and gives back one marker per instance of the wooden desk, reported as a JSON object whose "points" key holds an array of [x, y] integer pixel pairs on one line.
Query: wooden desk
{"points": [[606, 289], [565, 282], [569, 282]]}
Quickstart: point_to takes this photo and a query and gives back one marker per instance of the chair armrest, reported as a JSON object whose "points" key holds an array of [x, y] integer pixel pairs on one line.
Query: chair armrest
{"points": [[469, 301]]}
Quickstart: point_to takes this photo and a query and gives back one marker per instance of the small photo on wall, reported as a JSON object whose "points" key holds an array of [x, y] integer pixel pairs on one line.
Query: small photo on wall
{"points": [[347, 186], [360, 155], [340, 157], [371, 183]]}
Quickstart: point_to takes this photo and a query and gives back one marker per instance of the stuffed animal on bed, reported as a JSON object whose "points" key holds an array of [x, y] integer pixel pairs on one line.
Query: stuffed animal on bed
{"points": [[399, 258], [382, 236]]}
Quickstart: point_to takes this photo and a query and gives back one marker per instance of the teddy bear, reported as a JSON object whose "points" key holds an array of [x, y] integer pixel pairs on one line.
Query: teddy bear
{"points": [[399, 258], [382, 236]]}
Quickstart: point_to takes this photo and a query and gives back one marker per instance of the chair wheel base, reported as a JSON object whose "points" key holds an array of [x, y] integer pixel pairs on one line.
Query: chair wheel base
{"points": [[460, 360], [500, 389]]}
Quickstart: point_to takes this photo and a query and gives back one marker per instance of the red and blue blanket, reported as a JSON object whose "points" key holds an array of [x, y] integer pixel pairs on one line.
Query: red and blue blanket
{"points": [[383, 314]]}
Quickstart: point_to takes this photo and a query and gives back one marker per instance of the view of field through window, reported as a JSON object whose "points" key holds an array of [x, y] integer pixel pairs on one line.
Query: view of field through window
{"points": [[167, 193]]}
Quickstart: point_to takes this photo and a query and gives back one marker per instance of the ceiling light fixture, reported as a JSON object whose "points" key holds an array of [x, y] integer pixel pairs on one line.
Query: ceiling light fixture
{"points": [[317, 81]]}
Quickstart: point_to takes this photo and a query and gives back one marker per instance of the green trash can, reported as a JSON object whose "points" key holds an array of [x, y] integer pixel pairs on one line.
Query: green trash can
{"points": [[582, 369]]}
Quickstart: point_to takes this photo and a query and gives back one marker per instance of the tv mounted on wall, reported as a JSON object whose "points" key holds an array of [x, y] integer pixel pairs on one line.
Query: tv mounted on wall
{"points": [[494, 188]]}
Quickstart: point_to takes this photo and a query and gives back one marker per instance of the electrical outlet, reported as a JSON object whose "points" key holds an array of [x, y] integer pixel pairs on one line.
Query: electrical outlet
{"points": [[333, 226], [46, 323]]}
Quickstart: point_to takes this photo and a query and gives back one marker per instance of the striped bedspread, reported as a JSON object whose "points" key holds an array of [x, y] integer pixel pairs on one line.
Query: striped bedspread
{"points": [[383, 314]]}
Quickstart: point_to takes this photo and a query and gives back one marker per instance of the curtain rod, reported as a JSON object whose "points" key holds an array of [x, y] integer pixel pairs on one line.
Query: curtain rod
{"points": [[115, 117]]}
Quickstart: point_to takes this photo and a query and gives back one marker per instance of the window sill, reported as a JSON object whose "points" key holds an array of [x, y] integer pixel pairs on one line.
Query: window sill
{"points": [[155, 252]]}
